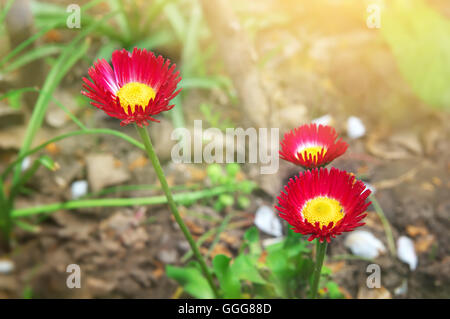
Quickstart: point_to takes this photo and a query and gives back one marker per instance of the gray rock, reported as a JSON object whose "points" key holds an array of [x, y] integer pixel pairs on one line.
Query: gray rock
{"points": [[102, 172]]}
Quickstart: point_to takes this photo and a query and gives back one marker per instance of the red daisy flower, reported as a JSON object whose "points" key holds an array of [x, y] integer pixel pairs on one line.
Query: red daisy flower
{"points": [[137, 87], [323, 203], [312, 146]]}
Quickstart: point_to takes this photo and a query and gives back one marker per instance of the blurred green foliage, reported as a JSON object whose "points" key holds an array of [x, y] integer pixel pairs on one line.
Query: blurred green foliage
{"points": [[281, 270], [107, 25], [419, 38], [229, 177]]}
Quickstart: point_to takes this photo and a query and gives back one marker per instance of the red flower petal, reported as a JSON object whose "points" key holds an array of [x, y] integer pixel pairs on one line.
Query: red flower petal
{"points": [[296, 142], [332, 184], [139, 66]]}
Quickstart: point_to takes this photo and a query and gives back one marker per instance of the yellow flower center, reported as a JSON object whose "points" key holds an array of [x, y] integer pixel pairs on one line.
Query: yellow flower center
{"points": [[311, 150], [135, 93], [323, 210]]}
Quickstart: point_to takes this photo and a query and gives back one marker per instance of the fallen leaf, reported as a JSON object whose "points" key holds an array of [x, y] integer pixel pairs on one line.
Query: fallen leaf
{"points": [[139, 162], [53, 36], [414, 231], [220, 249], [427, 186], [194, 228], [196, 174], [374, 293], [336, 266], [159, 270], [102, 171], [436, 181], [117, 163], [226, 237], [262, 257], [390, 183], [423, 243]]}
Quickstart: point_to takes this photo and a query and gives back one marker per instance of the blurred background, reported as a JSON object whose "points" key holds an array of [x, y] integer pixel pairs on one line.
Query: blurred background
{"points": [[378, 71]]}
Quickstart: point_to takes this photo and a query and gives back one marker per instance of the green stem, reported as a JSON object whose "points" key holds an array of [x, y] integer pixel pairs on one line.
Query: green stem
{"points": [[115, 202], [173, 207], [321, 249], [5, 219], [386, 225]]}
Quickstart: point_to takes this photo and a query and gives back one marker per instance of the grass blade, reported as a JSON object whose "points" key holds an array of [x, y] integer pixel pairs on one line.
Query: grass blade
{"points": [[65, 61], [28, 57]]}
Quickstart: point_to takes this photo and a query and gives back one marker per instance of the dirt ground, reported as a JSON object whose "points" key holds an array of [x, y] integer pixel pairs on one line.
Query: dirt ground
{"points": [[122, 252]]}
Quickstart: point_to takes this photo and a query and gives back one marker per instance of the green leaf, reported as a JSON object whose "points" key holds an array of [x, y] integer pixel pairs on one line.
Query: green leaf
{"points": [[333, 290], [251, 238], [233, 169], [5, 10], [247, 186], [229, 283], [14, 95], [283, 272], [27, 227], [325, 271], [177, 21], [192, 281], [71, 54], [190, 48], [252, 235], [226, 200], [244, 268], [155, 40], [243, 202], [419, 39], [48, 163], [214, 172], [206, 82], [35, 54]]}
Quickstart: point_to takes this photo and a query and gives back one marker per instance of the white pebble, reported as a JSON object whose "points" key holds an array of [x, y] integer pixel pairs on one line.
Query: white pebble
{"points": [[6, 266], [402, 289], [355, 127], [79, 189], [323, 120], [406, 252], [364, 244], [26, 162], [268, 222]]}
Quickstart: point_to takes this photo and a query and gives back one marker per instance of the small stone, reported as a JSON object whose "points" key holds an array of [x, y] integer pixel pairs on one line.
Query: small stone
{"points": [[103, 172], [26, 162], [6, 266], [402, 289], [267, 221], [78, 189], [323, 120], [406, 252], [56, 117], [183, 246], [364, 244], [168, 256], [355, 127]]}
